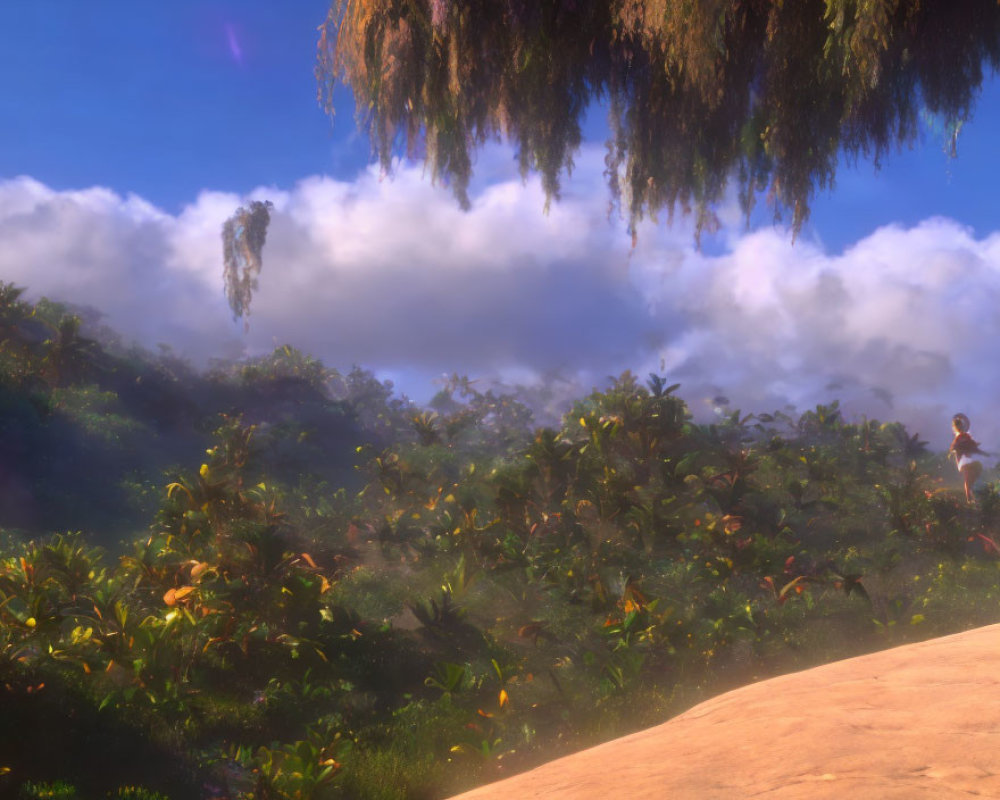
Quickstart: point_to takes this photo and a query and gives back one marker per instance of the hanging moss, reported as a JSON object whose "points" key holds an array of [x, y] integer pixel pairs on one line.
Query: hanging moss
{"points": [[768, 91], [243, 237]]}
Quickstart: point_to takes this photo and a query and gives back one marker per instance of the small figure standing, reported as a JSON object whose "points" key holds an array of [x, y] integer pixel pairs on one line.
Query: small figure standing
{"points": [[965, 449]]}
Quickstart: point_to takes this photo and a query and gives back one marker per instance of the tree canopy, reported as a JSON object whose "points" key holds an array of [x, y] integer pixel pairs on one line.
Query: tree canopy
{"points": [[769, 92]]}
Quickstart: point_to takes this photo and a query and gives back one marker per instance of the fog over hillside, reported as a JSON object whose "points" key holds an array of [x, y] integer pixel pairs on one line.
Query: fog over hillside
{"points": [[392, 275]]}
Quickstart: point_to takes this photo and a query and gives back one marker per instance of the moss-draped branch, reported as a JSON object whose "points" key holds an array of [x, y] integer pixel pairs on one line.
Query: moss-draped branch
{"points": [[769, 92]]}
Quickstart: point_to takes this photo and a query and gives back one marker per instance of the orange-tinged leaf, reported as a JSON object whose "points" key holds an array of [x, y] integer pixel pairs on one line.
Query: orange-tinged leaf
{"points": [[532, 629], [432, 503], [352, 533], [198, 569], [793, 584], [309, 560], [732, 523], [174, 596]]}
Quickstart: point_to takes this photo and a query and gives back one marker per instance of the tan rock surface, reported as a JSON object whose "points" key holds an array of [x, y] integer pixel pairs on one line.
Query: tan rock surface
{"points": [[918, 721]]}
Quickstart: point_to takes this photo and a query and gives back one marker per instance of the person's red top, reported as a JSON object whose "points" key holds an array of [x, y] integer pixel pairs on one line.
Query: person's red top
{"points": [[964, 445]]}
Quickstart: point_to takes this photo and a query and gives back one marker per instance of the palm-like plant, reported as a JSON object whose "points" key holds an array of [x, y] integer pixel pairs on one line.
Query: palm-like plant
{"points": [[68, 355]]}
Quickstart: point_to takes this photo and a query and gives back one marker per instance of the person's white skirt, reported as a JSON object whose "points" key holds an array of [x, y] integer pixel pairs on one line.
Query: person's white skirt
{"points": [[966, 461]]}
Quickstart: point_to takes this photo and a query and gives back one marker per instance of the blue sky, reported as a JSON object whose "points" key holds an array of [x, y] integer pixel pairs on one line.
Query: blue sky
{"points": [[165, 99], [133, 129]]}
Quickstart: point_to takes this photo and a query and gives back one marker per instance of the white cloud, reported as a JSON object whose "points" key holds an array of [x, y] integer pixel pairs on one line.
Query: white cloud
{"points": [[392, 275], [898, 326]]}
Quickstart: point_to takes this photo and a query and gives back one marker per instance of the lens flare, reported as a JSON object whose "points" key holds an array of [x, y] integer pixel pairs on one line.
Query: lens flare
{"points": [[234, 43]]}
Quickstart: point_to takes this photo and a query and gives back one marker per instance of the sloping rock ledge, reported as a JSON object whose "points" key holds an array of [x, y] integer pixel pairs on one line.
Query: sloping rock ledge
{"points": [[918, 721]]}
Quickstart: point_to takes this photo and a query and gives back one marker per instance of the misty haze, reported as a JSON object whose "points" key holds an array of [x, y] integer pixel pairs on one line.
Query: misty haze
{"points": [[391, 454]]}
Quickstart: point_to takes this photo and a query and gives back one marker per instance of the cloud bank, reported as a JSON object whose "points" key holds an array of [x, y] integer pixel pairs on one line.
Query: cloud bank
{"points": [[390, 274]]}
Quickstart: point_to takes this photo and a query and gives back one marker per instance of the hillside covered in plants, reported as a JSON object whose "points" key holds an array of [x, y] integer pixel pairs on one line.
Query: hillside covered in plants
{"points": [[271, 579]]}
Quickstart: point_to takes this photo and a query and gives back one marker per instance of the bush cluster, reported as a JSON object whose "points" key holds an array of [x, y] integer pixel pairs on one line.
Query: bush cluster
{"points": [[480, 595]]}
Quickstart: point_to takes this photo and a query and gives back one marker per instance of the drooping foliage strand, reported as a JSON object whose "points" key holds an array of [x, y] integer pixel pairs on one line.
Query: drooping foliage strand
{"points": [[698, 91], [243, 237]]}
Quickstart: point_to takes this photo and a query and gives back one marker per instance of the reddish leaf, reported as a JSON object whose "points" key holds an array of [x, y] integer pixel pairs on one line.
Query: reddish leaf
{"points": [[309, 560]]}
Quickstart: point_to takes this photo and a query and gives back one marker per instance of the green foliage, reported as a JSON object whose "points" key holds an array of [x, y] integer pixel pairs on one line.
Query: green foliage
{"points": [[88, 429], [58, 790], [302, 770], [773, 92], [478, 598], [137, 793]]}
